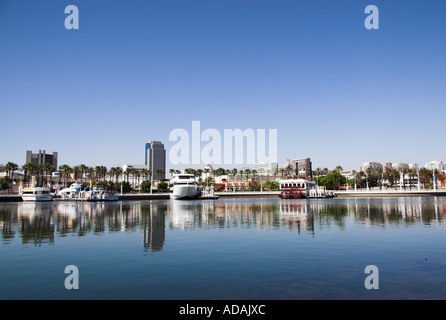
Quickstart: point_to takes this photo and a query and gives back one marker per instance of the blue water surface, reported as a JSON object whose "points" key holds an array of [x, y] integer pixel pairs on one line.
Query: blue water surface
{"points": [[231, 248]]}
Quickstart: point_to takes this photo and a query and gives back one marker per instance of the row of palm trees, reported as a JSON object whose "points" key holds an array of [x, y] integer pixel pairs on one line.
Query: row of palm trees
{"points": [[369, 178], [394, 177], [82, 173]]}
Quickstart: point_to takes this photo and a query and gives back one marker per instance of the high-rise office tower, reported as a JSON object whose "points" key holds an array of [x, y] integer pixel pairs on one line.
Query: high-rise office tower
{"points": [[155, 158]]}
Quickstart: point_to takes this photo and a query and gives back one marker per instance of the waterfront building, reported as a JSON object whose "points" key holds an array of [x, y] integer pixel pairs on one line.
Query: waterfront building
{"points": [[400, 166], [370, 165], [155, 158], [387, 166], [265, 167], [41, 158], [301, 165], [435, 165]]}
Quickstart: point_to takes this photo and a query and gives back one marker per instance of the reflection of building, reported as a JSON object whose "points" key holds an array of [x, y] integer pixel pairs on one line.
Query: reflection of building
{"points": [[154, 229], [41, 158]]}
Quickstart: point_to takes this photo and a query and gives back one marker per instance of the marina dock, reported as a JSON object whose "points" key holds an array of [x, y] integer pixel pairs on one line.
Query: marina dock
{"points": [[262, 194]]}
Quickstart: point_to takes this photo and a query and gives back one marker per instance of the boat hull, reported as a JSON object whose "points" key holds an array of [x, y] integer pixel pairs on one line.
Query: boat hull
{"points": [[35, 198], [184, 192], [36, 194]]}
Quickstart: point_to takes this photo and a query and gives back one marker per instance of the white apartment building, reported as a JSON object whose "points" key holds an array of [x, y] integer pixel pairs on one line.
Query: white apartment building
{"points": [[432, 165], [265, 167]]}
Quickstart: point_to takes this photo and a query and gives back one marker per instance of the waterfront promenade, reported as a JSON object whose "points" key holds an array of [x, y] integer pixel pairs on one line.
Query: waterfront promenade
{"points": [[273, 194]]}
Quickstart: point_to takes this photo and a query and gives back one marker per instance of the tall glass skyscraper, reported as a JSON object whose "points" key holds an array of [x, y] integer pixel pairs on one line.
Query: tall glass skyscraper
{"points": [[155, 158]]}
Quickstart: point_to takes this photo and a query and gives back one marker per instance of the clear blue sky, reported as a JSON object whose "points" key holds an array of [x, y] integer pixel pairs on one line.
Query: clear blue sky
{"points": [[135, 70]]}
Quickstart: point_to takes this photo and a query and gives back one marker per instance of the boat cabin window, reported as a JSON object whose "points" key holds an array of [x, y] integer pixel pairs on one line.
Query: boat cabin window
{"points": [[185, 177]]}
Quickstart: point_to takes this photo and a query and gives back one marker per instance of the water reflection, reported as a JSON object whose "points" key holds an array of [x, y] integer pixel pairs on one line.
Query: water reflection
{"points": [[43, 223]]}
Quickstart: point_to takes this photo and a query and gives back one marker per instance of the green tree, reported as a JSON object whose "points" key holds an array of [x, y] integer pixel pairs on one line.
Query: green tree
{"points": [[162, 186], [145, 186]]}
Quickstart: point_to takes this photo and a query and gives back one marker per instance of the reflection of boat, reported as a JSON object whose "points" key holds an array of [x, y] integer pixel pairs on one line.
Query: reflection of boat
{"points": [[183, 186], [303, 188], [36, 194]]}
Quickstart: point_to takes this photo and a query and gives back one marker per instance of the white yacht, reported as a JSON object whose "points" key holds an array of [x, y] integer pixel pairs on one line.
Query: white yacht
{"points": [[36, 194], [183, 186], [71, 192]]}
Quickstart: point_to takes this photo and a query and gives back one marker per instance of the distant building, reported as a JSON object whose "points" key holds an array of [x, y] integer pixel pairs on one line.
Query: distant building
{"points": [[265, 167], [400, 166], [435, 165], [387, 166], [155, 158], [370, 165], [413, 166], [301, 165], [41, 158]]}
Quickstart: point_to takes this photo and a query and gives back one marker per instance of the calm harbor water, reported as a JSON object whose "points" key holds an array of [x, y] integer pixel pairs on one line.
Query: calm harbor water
{"points": [[225, 249]]}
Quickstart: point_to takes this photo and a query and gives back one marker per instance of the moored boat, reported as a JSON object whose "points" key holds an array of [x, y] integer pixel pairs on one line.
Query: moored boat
{"points": [[303, 188], [36, 194], [101, 193], [184, 187]]}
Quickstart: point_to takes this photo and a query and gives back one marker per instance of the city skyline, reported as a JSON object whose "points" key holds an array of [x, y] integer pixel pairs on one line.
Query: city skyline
{"points": [[336, 92]]}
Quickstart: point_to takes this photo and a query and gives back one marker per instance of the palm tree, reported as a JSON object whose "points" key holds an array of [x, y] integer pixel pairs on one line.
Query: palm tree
{"points": [[412, 173], [289, 169], [10, 167], [62, 169], [49, 169], [282, 171], [84, 169], [241, 178], [145, 173], [160, 173], [171, 171], [394, 175], [76, 171], [254, 172], [404, 172], [234, 172], [28, 168]]}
